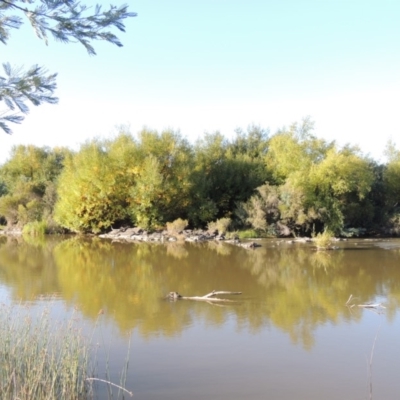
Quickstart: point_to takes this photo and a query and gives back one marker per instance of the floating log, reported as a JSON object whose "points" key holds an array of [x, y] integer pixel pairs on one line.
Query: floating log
{"points": [[375, 305], [207, 297], [372, 305]]}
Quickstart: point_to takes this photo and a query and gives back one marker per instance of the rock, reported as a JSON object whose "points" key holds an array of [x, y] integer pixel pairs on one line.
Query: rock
{"points": [[250, 245], [137, 234]]}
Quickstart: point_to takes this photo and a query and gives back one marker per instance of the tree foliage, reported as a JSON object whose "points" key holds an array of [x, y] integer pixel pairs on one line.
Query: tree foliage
{"points": [[151, 179], [29, 180], [294, 149], [326, 187], [65, 21], [161, 189], [227, 172], [341, 179], [392, 176], [91, 190]]}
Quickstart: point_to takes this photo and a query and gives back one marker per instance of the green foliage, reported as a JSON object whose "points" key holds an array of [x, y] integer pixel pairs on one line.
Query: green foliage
{"points": [[323, 240], [145, 192], [226, 173], [65, 21], [40, 360], [29, 183], [221, 225], [247, 234], [154, 178], [341, 178], [92, 190], [328, 187], [36, 228], [177, 226], [294, 150], [18, 86], [256, 213], [145, 181], [391, 184], [3, 188], [253, 143], [161, 191], [392, 180]]}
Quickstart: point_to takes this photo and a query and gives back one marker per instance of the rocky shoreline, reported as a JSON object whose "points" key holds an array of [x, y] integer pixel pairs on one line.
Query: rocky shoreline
{"points": [[138, 234]]}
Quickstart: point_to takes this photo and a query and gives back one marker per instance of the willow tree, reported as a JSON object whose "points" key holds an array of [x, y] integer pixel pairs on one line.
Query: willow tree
{"points": [[392, 177], [391, 180], [29, 179], [93, 190], [65, 21], [294, 149], [161, 191], [337, 186], [226, 172]]}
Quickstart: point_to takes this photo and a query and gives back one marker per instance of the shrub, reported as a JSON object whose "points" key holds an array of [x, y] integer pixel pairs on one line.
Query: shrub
{"points": [[323, 240], [177, 226], [248, 234], [221, 225], [36, 228]]}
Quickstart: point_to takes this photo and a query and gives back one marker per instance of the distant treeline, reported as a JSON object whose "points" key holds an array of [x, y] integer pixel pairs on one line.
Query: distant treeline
{"points": [[290, 182]]}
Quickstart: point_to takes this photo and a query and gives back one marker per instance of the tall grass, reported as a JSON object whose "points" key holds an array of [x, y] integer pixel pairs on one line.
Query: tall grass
{"points": [[323, 240], [39, 361], [44, 360], [35, 228]]}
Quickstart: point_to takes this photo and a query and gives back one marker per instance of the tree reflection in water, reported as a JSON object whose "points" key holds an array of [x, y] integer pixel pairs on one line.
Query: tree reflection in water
{"points": [[292, 287]]}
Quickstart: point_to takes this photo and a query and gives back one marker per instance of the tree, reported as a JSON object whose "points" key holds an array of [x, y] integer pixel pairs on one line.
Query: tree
{"points": [[392, 176], [337, 187], [28, 180], [66, 21], [294, 149], [92, 189], [161, 192], [226, 173]]}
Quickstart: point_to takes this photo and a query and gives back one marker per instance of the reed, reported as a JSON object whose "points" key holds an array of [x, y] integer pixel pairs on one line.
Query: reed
{"points": [[35, 228], [44, 359], [323, 240]]}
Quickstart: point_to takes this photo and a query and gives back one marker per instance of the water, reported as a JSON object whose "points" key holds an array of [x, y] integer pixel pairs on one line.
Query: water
{"points": [[289, 335]]}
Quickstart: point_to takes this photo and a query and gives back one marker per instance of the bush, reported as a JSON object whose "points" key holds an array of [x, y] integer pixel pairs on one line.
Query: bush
{"points": [[36, 228], [177, 226], [323, 240], [221, 225], [248, 234]]}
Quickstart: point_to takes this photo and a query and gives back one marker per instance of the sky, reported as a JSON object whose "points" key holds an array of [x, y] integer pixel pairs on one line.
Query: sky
{"points": [[218, 65]]}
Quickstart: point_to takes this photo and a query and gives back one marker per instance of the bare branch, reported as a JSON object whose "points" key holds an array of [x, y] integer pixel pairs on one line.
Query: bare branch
{"points": [[207, 297], [110, 383]]}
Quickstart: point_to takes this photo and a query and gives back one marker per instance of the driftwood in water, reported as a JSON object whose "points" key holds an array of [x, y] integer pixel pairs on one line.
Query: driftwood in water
{"points": [[372, 305], [206, 297]]}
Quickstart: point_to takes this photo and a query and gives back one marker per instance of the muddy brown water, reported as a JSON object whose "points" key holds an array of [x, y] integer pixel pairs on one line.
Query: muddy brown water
{"points": [[290, 335]]}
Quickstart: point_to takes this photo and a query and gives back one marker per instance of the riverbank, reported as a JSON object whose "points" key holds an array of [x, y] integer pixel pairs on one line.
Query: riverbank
{"points": [[141, 235]]}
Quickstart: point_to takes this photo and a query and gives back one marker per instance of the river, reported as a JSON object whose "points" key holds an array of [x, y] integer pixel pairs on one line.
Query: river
{"points": [[291, 334]]}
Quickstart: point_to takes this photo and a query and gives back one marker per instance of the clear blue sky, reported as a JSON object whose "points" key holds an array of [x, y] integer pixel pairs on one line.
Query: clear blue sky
{"points": [[217, 65]]}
